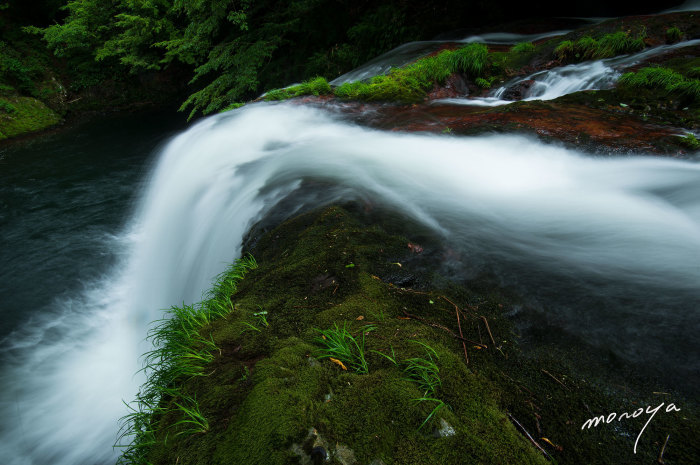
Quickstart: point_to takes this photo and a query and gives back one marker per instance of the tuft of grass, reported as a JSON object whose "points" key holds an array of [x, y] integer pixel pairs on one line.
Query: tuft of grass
{"points": [[523, 47], [424, 370], [410, 83], [440, 404], [690, 141], [673, 34], [664, 79], [470, 60], [193, 422], [483, 83], [340, 344], [609, 45], [180, 352], [316, 86]]}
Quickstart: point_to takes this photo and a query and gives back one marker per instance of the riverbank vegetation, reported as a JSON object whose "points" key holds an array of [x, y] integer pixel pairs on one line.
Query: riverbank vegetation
{"points": [[607, 46], [664, 79], [181, 352], [83, 56]]}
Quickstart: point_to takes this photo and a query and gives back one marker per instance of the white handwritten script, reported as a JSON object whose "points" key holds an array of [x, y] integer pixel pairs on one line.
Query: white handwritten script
{"points": [[592, 422]]}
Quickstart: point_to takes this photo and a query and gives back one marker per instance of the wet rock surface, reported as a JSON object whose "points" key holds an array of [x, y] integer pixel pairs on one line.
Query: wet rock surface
{"points": [[613, 121]]}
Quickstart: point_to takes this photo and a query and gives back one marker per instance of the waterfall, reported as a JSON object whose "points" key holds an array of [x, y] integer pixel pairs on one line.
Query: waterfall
{"points": [[597, 229]]}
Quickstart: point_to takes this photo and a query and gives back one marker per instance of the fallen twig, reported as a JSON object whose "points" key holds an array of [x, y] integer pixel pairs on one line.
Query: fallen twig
{"points": [[555, 379], [524, 431], [394, 288], [459, 325], [444, 328], [661, 454], [486, 323]]}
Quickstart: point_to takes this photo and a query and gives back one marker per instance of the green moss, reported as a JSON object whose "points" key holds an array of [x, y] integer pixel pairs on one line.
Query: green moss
{"points": [[29, 115], [276, 412], [609, 45], [316, 86], [663, 79]]}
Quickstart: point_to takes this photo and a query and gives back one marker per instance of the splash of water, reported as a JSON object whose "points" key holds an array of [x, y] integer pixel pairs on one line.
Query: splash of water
{"points": [[631, 223]]}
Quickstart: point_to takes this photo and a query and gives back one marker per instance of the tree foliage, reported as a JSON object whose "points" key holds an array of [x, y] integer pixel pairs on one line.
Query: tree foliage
{"points": [[235, 49]]}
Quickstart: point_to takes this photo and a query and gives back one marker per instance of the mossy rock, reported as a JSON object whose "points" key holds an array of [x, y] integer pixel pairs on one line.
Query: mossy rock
{"points": [[271, 396], [22, 115]]}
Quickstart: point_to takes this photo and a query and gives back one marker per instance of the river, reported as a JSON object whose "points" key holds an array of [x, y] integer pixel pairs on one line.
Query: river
{"points": [[102, 231], [105, 225]]}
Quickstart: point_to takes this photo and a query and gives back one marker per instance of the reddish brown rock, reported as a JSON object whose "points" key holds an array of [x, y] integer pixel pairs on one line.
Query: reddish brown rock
{"points": [[454, 86], [519, 90]]}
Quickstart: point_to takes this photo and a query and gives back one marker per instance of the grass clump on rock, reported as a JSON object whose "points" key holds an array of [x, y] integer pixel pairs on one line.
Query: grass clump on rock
{"points": [[316, 86], [664, 79], [341, 346], [410, 83], [181, 352], [690, 141], [523, 47], [609, 45], [673, 34]]}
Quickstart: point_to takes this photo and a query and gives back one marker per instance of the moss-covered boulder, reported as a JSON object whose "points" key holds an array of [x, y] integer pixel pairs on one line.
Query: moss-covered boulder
{"points": [[22, 115], [322, 355]]}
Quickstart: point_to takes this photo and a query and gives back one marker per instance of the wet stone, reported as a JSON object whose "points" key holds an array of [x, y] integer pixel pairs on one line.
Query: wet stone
{"points": [[345, 455], [445, 430]]}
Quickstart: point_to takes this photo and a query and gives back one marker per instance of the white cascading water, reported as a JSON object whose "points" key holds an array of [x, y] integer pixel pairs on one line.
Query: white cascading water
{"points": [[633, 219], [564, 80]]}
